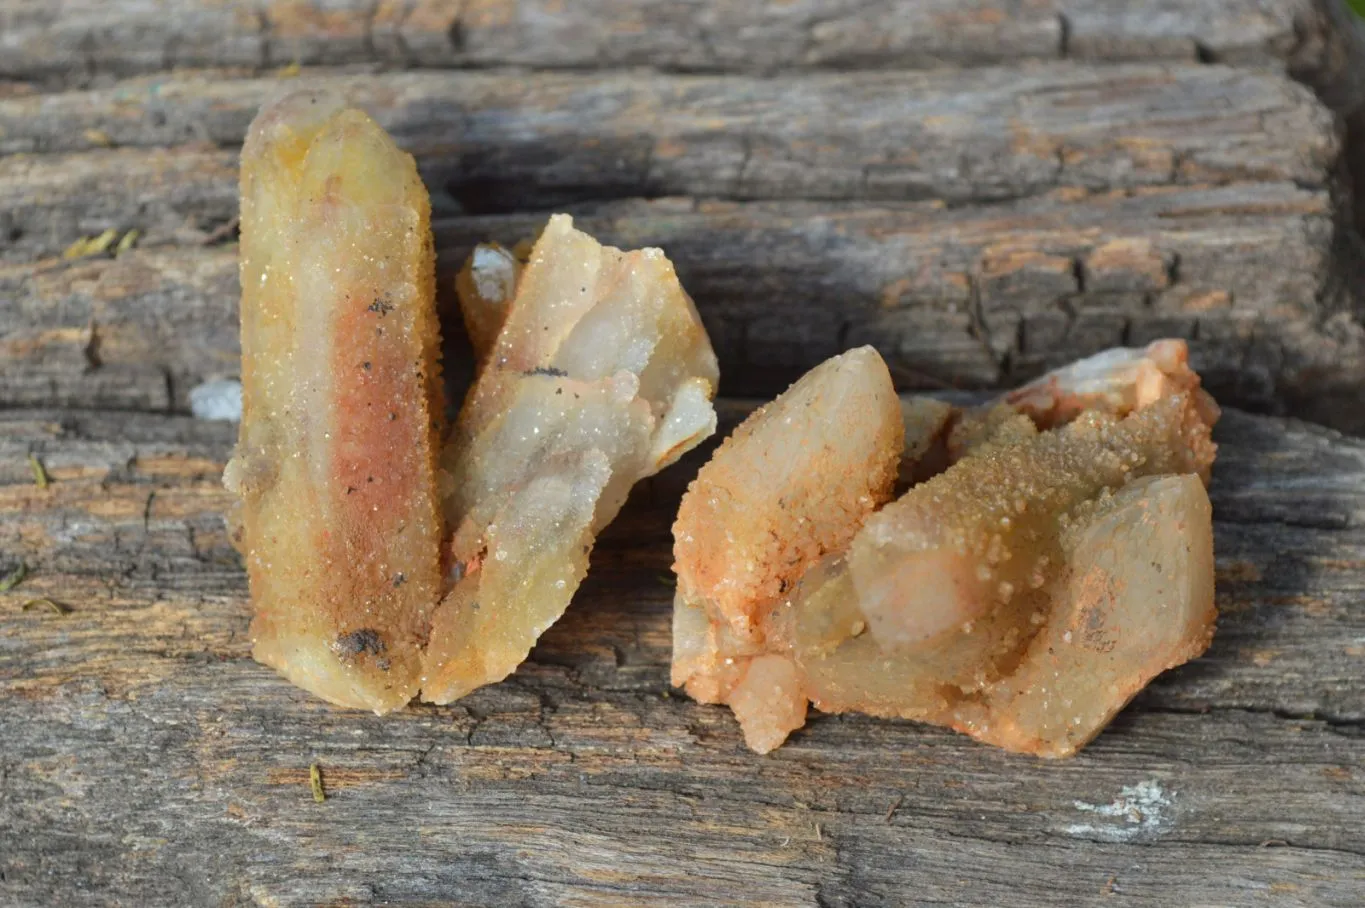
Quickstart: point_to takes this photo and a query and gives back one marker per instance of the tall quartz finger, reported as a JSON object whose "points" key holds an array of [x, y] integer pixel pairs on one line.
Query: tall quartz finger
{"points": [[601, 374], [336, 460]]}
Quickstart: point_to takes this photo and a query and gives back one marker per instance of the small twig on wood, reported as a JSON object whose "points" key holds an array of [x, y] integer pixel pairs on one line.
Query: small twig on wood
{"points": [[315, 781], [127, 242], [221, 232], [894, 807], [40, 477], [91, 245], [56, 607], [14, 577]]}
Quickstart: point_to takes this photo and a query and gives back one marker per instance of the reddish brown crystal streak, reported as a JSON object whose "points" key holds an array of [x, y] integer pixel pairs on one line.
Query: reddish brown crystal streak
{"points": [[383, 436]]}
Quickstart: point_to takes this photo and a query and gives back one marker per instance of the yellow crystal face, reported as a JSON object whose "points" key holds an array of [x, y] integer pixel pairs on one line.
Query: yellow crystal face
{"points": [[335, 465]]}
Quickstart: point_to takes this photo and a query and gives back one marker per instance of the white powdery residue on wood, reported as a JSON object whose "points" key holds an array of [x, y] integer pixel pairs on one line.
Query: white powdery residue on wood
{"points": [[1139, 812]]}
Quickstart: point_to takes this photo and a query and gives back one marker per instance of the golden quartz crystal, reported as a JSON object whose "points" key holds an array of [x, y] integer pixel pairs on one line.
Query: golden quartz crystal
{"points": [[1049, 555], [600, 375], [341, 404]]}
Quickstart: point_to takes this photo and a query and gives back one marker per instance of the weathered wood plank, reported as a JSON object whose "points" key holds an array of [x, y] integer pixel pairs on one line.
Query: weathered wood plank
{"points": [[148, 760], [160, 320], [1269, 301], [176, 195], [953, 297], [73, 40], [980, 297], [65, 378], [509, 140]]}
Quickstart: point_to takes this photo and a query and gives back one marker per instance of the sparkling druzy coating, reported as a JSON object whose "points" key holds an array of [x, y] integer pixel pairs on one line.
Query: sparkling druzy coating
{"points": [[1057, 558], [336, 461]]}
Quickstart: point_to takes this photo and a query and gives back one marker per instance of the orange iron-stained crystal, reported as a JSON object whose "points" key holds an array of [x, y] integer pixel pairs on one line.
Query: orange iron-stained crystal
{"points": [[335, 466], [1057, 557]]}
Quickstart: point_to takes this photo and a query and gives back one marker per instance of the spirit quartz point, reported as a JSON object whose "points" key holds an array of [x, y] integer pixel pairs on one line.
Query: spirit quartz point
{"points": [[335, 466], [600, 375]]}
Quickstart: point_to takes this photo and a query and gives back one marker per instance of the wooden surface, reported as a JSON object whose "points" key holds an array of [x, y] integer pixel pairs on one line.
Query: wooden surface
{"points": [[980, 189], [148, 760], [714, 34], [79, 41], [953, 296], [976, 225]]}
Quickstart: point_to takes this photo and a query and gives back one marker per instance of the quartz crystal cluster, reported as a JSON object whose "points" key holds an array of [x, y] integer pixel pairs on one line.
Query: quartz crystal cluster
{"points": [[1016, 571], [1052, 554], [388, 558]]}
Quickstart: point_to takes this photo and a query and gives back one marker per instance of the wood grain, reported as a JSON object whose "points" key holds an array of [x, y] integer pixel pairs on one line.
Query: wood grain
{"points": [[1252, 274], [491, 142], [1125, 202], [75, 40], [149, 761]]}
